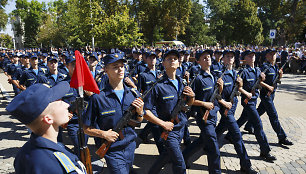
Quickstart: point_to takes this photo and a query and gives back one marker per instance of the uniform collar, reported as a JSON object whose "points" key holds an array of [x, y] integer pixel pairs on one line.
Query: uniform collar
{"points": [[42, 142], [249, 68], [109, 89]]}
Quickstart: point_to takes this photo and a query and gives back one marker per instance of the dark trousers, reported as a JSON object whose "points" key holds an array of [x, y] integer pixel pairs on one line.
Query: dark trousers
{"points": [[229, 123], [250, 113], [207, 139], [267, 105]]}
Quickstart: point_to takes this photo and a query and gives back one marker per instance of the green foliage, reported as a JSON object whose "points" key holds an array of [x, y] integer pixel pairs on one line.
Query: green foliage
{"points": [[3, 15], [6, 41], [197, 32]]}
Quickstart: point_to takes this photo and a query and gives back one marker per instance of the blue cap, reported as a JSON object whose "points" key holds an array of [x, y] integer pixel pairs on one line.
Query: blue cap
{"points": [[175, 52], [158, 49], [245, 53], [199, 53], [218, 52], [66, 54], [270, 50], [187, 52], [69, 59], [29, 104], [32, 55], [111, 58], [52, 58], [228, 51], [44, 54], [94, 54], [150, 53], [136, 51]]}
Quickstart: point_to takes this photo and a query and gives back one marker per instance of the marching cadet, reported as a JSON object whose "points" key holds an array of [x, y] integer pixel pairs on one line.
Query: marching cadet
{"points": [[107, 108], [203, 87], [145, 82], [164, 97], [33, 75], [228, 120], [43, 62], [249, 75], [216, 66], [62, 64], [25, 60], [40, 109], [54, 76], [12, 69], [267, 101]]}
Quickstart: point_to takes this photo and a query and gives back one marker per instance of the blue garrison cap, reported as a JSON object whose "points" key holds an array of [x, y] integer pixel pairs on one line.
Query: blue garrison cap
{"points": [[44, 54], [150, 53], [245, 53], [199, 53], [94, 54], [174, 52], [69, 59], [111, 58], [228, 51], [29, 104], [52, 58], [187, 52], [32, 55]]}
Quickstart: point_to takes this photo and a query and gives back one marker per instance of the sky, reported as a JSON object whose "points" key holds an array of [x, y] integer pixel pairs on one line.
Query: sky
{"points": [[11, 6]]}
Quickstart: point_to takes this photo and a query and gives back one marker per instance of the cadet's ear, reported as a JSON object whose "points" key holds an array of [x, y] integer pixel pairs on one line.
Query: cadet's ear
{"points": [[48, 119]]}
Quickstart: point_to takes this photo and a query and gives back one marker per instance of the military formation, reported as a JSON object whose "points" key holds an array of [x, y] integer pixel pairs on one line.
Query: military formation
{"points": [[165, 86]]}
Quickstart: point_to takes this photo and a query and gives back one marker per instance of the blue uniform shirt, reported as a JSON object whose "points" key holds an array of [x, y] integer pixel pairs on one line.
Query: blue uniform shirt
{"points": [[216, 68], [229, 80], [249, 77], [164, 97], [271, 74], [105, 110], [29, 77], [146, 80], [38, 156], [54, 80]]}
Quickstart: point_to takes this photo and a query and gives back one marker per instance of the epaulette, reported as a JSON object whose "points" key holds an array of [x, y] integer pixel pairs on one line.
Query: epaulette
{"points": [[65, 161]]}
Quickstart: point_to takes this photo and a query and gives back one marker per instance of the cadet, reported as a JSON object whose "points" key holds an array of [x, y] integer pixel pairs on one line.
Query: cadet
{"points": [[249, 75], [12, 69], [266, 103], [203, 87], [107, 108], [33, 75], [54, 76], [228, 121], [40, 109], [43, 62], [164, 97], [216, 66]]}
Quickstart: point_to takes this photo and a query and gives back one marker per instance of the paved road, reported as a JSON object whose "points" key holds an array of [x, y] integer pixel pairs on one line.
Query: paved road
{"points": [[290, 103]]}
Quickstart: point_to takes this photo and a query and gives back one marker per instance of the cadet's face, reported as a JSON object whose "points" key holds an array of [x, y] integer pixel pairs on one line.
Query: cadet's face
{"points": [[71, 67], [34, 61], [26, 60], [137, 56], [115, 70], [186, 57], [171, 62], [271, 57], [250, 58], [205, 60], [218, 56], [151, 60], [59, 112], [93, 61], [52, 65], [228, 59]]}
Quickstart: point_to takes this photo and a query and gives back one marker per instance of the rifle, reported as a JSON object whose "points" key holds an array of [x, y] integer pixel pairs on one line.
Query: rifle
{"points": [[181, 102], [84, 150], [234, 93], [255, 86], [277, 79], [215, 96], [124, 121]]}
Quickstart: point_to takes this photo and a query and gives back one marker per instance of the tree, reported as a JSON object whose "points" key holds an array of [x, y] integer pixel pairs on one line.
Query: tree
{"points": [[197, 32], [3, 15], [6, 41]]}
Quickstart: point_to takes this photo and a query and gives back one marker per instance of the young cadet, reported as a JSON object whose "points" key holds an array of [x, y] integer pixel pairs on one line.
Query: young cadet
{"points": [[43, 62], [164, 97], [267, 101], [12, 69], [107, 108], [33, 75], [249, 75], [203, 87], [228, 121], [40, 109], [25, 59], [216, 66], [54, 76], [145, 82]]}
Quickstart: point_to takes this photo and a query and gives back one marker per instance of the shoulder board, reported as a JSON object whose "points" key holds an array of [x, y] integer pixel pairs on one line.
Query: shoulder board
{"points": [[134, 91], [65, 161]]}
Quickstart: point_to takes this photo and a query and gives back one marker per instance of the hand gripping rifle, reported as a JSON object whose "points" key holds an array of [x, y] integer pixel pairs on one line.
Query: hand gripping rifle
{"points": [[181, 102], [125, 120], [255, 86], [234, 93], [277, 78], [216, 95]]}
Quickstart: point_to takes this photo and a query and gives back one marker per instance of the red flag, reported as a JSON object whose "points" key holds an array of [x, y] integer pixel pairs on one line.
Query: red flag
{"points": [[82, 75]]}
